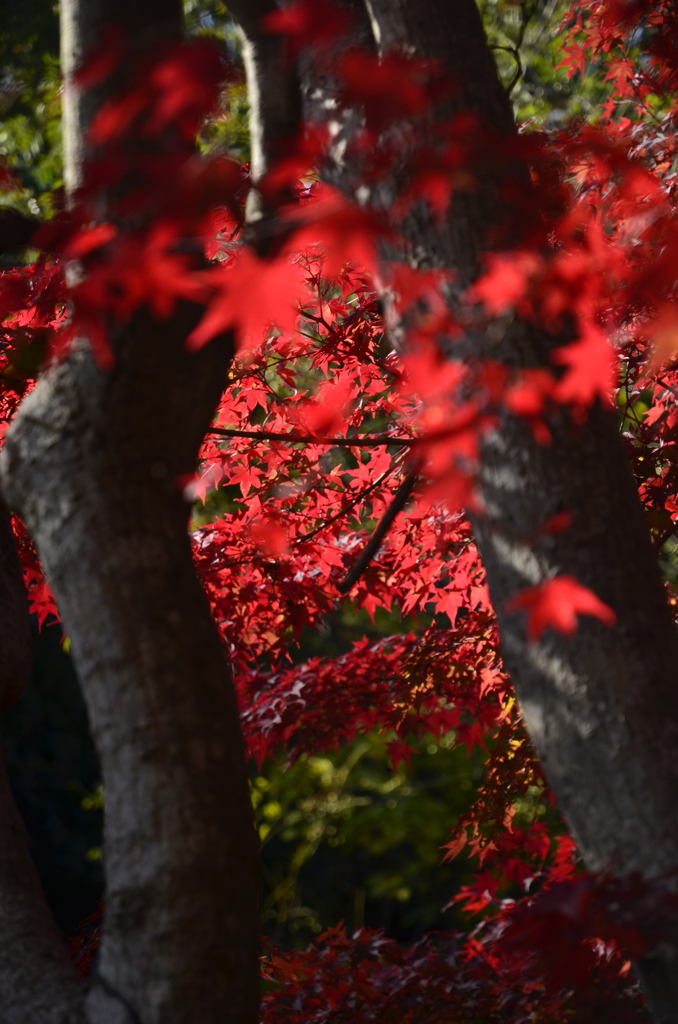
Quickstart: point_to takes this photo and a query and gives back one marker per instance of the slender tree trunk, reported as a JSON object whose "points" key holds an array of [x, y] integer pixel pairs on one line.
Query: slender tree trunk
{"points": [[92, 462]]}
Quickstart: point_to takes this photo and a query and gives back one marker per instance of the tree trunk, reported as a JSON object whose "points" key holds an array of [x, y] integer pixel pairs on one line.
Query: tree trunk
{"points": [[93, 462], [602, 706]]}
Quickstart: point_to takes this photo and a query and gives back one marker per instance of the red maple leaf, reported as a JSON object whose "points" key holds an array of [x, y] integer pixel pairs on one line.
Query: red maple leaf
{"points": [[590, 366], [556, 604], [251, 295]]}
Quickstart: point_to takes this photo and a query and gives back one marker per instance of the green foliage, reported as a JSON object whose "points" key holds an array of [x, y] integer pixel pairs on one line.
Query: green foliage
{"points": [[207, 17], [229, 130], [30, 132], [527, 46], [347, 837], [30, 106]]}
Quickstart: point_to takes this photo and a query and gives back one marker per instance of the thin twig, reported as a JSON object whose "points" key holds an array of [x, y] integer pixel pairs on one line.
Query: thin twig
{"points": [[513, 51], [338, 442], [398, 502], [464, 423], [348, 506]]}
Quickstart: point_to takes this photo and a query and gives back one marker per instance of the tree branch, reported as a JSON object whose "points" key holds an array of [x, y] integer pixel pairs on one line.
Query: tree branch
{"points": [[345, 509], [463, 424], [398, 502], [378, 440]]}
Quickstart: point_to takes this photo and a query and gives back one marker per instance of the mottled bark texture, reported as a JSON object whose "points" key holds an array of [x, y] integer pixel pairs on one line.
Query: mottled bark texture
{"points": [[92, 463]]}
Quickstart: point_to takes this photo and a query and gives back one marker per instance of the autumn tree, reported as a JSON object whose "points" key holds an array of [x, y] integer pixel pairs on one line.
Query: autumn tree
{"points": [[385, 158]]}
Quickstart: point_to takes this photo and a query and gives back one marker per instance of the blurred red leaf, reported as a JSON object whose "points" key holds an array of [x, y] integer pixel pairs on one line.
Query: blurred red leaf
{"points": [[556, 604]]}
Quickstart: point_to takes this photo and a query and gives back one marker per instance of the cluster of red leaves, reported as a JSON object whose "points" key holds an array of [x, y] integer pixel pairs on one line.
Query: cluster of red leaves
{"points": [[33, 302], [301, 509], [407, 685], [367, 977], [550, 935], [635, 45]]}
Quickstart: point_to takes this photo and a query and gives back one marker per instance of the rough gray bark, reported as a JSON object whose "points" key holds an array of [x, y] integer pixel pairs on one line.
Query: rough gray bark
{"points": [[92, 462]]}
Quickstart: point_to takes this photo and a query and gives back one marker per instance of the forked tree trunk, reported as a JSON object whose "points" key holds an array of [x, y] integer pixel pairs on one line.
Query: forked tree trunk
{"points": [[92, 463]]}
